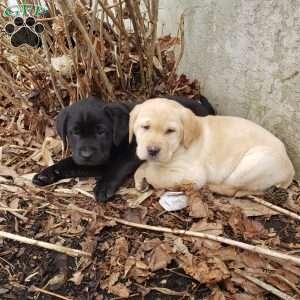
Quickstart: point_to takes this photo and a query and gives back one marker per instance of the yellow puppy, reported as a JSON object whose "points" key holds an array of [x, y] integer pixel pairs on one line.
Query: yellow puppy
{"points": [[232, 155]]}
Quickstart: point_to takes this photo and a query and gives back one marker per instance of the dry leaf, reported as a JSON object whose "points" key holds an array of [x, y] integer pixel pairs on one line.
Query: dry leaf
{"points": [[197, 207], [77, 278], [216, 295], [136, 215], [247, 207], [7, 172], [160, 257], [211, 270], [120, 290]]}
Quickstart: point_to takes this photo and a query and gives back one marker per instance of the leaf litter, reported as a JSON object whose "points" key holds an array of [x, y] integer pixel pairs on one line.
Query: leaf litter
{"points": [[125, 261]]}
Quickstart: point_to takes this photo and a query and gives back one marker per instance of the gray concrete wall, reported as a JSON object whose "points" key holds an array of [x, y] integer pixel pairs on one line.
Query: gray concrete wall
{"points": [[246, 55]]}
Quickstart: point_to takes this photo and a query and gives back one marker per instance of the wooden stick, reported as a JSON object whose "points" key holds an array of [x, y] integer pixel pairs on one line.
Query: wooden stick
{"points": [[181, 31], [14, 212], [275, 207], [287, 282], [10, 209], [139, 42], [265, 286], [51, 72], [248, 247], [54, 247], [114, 20], [106, 83], [39, 290]]}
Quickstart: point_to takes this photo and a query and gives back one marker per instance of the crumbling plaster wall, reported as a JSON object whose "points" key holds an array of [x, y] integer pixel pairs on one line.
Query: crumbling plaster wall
{"points": [[246, 55]]}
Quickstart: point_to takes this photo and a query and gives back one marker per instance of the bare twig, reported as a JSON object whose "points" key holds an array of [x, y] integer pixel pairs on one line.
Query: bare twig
{"points": [[265, 286], [54, 247], [151, 46], [112, 17], [139, 43], [275, 207], [39, 290], [52, 76], [181, 31], [252, 248], [287, 282], [107, 85]]}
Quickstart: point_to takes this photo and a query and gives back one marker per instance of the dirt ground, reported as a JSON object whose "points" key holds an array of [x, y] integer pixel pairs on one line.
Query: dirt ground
{"points": [[128, 262]]}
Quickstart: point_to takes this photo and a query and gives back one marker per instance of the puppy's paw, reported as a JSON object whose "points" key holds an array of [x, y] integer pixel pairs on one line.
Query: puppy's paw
{"points": [[103, 191], [142, 185], [46, 177]]}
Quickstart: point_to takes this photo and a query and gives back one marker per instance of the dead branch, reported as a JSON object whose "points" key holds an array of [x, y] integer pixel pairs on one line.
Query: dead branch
{"points": [[107, 85], [265, 286], [181, 31], [39, 290], [49, 246], [114, 20], [139, 43], [248, 247], [52, 76], [151, 46], [275, 207]]}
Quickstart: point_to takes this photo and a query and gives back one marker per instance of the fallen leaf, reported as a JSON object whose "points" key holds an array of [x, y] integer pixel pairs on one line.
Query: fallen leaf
{"points": [[160, 257], [197, 207], [210, 271], [77, 278], [120, 290], [136, 215], [208, 228], [57, 281], [247, 207], [7, 172], [216, 295], [246, 285]]}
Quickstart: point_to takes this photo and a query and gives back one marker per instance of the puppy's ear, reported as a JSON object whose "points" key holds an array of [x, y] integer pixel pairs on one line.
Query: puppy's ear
{"points": [[120, 118], [62, 125], [191, 127], [132, 118]]}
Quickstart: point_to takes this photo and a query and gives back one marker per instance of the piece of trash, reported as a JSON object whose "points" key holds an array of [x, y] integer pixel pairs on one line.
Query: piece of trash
{"points": [[173, 201]]}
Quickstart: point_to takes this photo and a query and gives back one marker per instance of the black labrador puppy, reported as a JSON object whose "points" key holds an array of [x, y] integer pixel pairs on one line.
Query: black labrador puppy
{"points": [[97, 133]]}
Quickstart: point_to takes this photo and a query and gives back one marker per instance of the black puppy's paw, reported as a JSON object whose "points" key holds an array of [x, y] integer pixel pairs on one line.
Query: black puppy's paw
{"points": [[103, 191], [46, 177]]}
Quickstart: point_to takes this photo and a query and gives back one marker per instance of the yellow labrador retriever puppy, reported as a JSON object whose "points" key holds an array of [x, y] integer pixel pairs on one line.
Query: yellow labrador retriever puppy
{"points": [[232, 155]]}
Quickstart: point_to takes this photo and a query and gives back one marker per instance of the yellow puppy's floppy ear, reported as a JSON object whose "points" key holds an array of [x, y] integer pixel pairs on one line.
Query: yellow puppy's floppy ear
{"points": [[132, 118], [191, 127]]}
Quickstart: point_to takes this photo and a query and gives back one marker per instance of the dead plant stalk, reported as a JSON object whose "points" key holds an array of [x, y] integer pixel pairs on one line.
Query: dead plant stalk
{"points": [[49, 246], [265, 286], [248, 247]]}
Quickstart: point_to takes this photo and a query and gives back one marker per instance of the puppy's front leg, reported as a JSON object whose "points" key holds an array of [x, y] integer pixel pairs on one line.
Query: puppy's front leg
{"points": [[66, 168], [116, 173], [140, 181]]}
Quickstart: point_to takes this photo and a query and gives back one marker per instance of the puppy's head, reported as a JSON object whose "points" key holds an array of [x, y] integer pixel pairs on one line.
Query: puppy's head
{"points": [[161, 126], [92, 128]]}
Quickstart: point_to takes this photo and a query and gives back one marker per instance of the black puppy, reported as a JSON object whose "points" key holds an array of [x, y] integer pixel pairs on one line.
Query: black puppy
{"points": [[97, 133]]}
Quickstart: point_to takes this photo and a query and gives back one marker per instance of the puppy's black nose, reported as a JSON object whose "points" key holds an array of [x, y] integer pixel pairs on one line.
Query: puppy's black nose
{"points": [[153, 150], [86, 153]]}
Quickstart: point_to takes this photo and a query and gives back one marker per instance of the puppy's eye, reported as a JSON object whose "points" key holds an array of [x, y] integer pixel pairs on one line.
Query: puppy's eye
{"points": [[146, 127], [170, 130], [76, 131], [99, 131]]}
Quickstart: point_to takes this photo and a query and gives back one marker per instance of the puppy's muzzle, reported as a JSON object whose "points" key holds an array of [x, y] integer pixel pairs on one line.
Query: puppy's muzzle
{"points": [[153, 151], [86, 153]]}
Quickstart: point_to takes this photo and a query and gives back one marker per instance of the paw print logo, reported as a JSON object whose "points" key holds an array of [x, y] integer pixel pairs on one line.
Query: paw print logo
{"points": [[24, 33]]}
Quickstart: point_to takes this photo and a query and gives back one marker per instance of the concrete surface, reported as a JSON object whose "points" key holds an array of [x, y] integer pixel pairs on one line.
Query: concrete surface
{"points": [[246, 55]]}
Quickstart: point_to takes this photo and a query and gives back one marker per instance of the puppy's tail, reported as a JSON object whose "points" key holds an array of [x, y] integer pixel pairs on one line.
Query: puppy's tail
{"points": [[207, 105]]}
